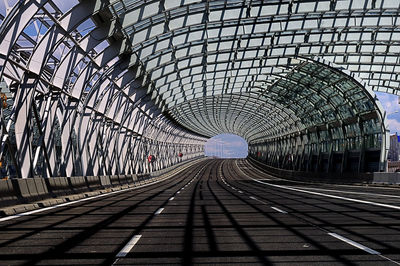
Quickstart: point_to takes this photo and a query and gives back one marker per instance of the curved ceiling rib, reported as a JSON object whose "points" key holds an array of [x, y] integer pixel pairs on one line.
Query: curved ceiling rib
{"points": [[311, 94], [239, 66]]}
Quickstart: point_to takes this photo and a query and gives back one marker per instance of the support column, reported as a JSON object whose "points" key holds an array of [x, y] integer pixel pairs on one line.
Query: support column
{"points": [[24, 125]]}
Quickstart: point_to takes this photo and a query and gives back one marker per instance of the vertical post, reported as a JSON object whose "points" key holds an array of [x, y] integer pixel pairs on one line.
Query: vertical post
{"points": [[383, 164], [49, 137], [23, 125]]}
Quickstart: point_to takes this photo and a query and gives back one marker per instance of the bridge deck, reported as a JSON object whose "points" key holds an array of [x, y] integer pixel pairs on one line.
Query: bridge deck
{"points": [[216, 212]]}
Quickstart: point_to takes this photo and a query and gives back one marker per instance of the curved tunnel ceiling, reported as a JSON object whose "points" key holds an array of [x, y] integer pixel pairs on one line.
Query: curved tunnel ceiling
{"points": [[180, 50], [226, 66], [238, 66], [311, 94]]}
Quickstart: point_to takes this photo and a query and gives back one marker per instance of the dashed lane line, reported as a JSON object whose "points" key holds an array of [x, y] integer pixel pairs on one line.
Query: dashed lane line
{"points": [[254, 198], [361, 246], [11, 217], [160, 210], [275, 208], [72, 202], [355, 244], [337, 236], [279, 210], [125, 250], [128, 247]]}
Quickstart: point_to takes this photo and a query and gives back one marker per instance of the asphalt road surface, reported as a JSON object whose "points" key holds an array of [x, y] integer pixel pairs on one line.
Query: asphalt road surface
{"points": [[215, 212]]}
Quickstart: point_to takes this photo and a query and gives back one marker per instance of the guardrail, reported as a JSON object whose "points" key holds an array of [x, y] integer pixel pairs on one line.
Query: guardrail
{"points": [[62, 189], [320, 177]]}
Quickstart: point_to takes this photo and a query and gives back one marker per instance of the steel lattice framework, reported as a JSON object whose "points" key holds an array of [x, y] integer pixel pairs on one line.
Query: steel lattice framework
{"points": [[93, 87]]}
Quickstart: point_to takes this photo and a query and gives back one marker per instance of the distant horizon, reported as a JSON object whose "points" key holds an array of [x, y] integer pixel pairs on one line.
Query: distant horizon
{"points": [[226, 146]]}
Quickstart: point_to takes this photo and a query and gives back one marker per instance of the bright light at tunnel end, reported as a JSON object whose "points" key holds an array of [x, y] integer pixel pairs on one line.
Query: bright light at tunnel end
{"points": [[226, 146]]}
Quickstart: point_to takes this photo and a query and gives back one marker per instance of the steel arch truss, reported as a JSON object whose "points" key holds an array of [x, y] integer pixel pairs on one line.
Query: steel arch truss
{"points": [[340, 126], [77, 100], [93, 86]]}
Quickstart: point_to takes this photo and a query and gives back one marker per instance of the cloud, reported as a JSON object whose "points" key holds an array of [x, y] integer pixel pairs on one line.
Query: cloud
{"points": [[231, 146], [237, 144], [394, 125], [210, 148], [390, 102]]}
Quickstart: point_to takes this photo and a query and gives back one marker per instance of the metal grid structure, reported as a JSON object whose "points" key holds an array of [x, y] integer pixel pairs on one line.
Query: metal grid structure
{"points": [[120, 79]]}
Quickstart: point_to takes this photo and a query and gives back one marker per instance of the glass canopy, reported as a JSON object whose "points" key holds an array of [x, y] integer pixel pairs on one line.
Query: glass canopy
{"points": [[191, 69]]}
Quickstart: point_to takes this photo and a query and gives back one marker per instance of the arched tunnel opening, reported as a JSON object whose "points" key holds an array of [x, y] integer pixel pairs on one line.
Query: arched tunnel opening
{"points": [[226, 146], [313, 117]]}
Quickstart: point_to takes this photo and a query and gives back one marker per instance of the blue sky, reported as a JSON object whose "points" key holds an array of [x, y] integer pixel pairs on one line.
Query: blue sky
{"points": [[226, 146], [391, 104]]}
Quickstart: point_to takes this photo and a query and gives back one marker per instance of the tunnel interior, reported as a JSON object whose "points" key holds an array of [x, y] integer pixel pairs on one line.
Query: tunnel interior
{"points": [[314, 117], [107, 108], [95, 89]]}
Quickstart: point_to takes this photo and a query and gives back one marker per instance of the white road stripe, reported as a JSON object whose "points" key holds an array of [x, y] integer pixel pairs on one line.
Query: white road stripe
{"points": [[355, 244], [76, 201], [330, 196], [172, 198], [61, 205], [159, 211], [258, 200], [125, 250], [279, 210], [240, 191], [352, 192]]}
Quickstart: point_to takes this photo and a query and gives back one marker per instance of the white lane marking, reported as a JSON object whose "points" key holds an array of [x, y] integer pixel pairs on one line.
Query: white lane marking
{"points": [[251, 197], [330, 196], [172, 198], [125, 250], [352, 192], [303, 182], [159, 211], [279, 210], [240, 191], [81, 200], [67, 204], [355, 244]]}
